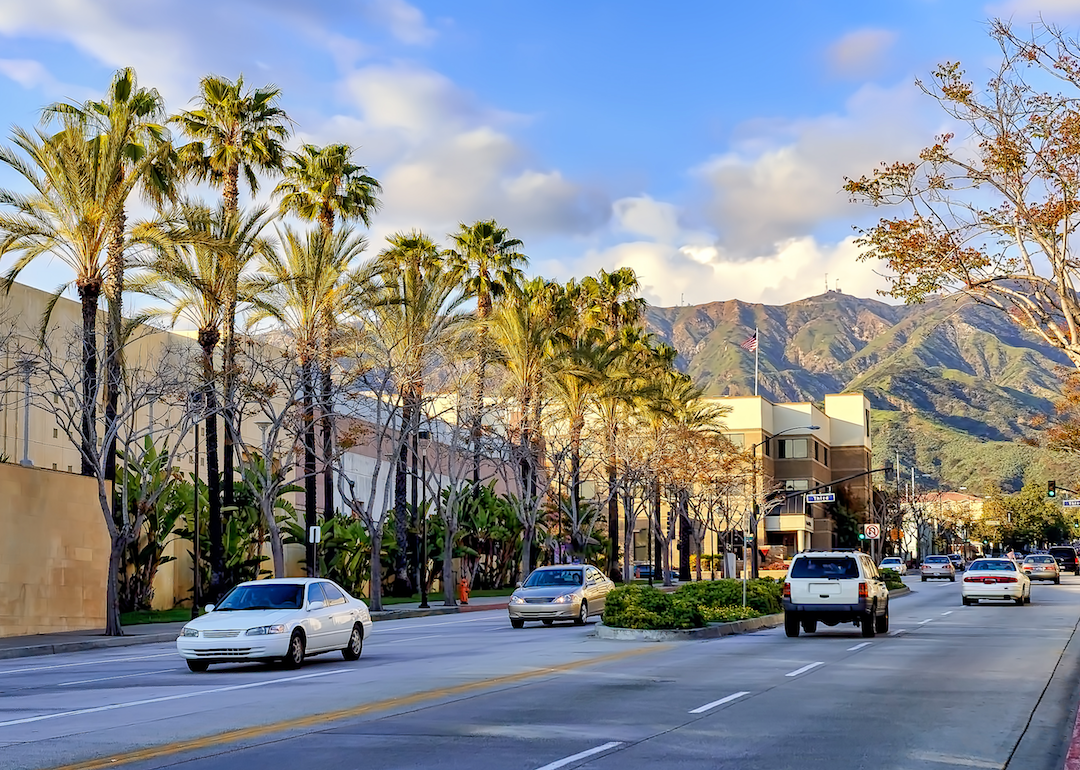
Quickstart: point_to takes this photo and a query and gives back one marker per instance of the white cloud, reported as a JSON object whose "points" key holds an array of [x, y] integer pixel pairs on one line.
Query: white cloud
{"points": [[32, 75], [860, 53], [1024, 11], [696, 273], [786, 180]]}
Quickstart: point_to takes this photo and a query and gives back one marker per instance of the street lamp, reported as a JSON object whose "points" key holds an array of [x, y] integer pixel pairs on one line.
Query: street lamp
{"points": [[424, 438], [27, 366], [754, 499], [195, 398]]}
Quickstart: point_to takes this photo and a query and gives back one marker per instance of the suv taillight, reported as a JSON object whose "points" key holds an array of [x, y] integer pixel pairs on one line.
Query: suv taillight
{"points": [[787, 590], [863, 593]]}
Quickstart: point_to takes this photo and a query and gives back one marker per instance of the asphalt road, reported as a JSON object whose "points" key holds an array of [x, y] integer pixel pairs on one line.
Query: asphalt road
{"points": [[992, 686]]}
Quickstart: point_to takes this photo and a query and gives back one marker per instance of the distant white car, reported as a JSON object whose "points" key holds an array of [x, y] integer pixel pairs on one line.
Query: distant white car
{"points": [[283, 619], [895, 563], [995, 579]]}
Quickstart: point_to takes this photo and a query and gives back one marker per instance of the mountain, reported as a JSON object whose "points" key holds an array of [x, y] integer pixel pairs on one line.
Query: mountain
{"points": [[949, 381]]}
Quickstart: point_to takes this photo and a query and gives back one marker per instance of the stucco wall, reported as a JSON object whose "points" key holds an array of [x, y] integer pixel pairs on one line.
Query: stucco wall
{"points": [[54, 552]]}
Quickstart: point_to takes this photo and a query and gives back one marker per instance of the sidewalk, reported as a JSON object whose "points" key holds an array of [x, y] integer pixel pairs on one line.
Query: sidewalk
{"points": [[154, 633]]}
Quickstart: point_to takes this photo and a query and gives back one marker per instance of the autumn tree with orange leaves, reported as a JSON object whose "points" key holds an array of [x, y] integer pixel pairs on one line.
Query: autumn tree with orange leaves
{"points": [[990, 209]]}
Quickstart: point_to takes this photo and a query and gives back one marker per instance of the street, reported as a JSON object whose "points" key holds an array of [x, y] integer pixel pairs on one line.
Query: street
{"points": [[991, 686]]}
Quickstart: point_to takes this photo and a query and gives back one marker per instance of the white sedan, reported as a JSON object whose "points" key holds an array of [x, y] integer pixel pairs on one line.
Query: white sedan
{"points": [[284, 619], [895, 563], [995, 579]]}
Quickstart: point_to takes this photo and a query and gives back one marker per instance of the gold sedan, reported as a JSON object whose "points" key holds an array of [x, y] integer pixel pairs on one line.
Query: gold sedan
{"points": [[562, 592]]}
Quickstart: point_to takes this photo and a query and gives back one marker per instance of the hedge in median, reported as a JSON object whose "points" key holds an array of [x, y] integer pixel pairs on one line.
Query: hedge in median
{"points": [[692, 606]]}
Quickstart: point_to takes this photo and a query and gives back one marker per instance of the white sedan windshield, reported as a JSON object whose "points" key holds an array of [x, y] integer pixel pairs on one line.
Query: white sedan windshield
{"points": [[269, 596]]}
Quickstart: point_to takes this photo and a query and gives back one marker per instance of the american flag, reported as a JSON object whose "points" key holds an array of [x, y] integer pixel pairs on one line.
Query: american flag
{"points": [[750, 343]]}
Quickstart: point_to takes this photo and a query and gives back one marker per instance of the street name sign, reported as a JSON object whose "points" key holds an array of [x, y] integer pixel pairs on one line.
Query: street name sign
{"points": [[827, 497], [1071, 503]]}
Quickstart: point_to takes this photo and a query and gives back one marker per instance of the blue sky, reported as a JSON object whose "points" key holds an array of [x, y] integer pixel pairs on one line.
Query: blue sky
{"points": [[702, 143]]}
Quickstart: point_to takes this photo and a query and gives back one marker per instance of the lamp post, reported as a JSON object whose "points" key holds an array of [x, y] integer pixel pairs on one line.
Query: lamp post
{"points": [[27, 367], [754, 500], [425, 439], [196, 400]]}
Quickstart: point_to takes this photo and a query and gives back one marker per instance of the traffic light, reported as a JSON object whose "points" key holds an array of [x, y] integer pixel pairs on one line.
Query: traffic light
{"points": [[1051, 489], [862, 536]]}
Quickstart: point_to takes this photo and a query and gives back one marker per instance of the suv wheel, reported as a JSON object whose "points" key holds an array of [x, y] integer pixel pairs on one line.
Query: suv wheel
{"points": [[867, 624], [791, 624], [881, 622], [809, 626]]}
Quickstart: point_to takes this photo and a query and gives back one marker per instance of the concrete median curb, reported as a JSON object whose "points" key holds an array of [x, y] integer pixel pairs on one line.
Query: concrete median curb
{"points": [[894, 592], [680, 634]]}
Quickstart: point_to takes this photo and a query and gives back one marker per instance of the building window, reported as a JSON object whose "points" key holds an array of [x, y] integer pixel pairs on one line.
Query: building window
{"points": [[867, 423], [797, 485], [737, 439], [825, 456], [767, 448], [54, 468], [792, 448], [69, 469], [54, 436]]}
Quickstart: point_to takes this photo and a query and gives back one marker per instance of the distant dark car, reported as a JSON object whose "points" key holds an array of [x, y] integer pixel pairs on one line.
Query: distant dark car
{"points": [[957, 561], [1065, 556]]}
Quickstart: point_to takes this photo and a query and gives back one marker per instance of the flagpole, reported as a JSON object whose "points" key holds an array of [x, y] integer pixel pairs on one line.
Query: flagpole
{"points": [[757, 347]]}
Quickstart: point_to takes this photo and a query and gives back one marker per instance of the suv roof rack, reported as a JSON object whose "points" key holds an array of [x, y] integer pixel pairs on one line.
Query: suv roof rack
{"points": [[830, 550]]}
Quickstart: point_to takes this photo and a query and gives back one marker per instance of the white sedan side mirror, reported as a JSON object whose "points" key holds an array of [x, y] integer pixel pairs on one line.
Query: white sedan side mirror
{"points": [[315, 605], [210, 607]]}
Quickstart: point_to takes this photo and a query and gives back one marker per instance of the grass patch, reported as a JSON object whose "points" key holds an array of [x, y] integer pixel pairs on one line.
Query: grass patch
{"points": [[437, 596], [139, 617]]}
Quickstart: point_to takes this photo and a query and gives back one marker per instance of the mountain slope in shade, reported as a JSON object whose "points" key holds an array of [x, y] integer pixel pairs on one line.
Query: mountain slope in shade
{"points": [[958, 366]]}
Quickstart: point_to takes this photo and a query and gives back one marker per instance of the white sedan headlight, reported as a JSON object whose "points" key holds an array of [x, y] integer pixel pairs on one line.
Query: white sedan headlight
{"points": [[278, 628], [515, 599], [564, 599], [185, 631]]}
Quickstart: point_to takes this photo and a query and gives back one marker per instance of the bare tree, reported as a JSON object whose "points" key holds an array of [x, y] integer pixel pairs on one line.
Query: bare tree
{"points": [[50, 367]]}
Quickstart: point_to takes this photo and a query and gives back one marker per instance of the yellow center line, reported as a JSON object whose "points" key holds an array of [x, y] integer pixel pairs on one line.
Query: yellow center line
{"points": [[320, 720]]}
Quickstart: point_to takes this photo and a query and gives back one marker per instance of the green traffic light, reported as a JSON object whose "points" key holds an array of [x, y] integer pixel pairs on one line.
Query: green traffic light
{"points": [[862, 536], [1051, 489]]}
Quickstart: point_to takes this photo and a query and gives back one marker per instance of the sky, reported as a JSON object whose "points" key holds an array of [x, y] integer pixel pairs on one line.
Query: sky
{"points": [[702, 143]]}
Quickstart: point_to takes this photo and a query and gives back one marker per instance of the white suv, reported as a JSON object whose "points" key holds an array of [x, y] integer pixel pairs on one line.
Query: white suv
{"points": [[838, 586]]}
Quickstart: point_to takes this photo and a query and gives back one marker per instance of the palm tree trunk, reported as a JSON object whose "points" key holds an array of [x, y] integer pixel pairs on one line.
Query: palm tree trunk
{"points": [[273, 533], [402, 585], [612, 507], [449, 595], [231, 192], [228, 369], [310, 482], [326, 408], [114, 293], [685, 538], [215, 523], [89, 293], [628, 538]]}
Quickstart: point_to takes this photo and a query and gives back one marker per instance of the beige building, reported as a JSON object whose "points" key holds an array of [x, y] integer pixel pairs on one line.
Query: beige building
{"points": [[791, 455]]}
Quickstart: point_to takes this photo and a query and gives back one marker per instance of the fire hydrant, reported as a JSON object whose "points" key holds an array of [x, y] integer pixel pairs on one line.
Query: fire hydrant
{"points": [[463, 590]]}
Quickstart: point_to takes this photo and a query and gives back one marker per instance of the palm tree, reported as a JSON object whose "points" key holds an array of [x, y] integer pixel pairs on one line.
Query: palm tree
{"points": [[191, 273], [70, 215], [611, 302], [234, 131], [132, 119], [490, 261], [309, 281], [526, 328], [414, 317], [323, 184]]}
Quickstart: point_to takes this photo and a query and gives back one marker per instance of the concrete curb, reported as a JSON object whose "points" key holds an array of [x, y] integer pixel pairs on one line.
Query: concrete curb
{"points": [[894, 592], [104, 642], [680, 634], [56, 648]]}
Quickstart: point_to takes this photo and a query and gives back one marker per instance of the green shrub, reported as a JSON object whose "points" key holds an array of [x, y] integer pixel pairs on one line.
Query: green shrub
{"points": [[891, 578], [728, 614], [645, 607], [762, 594]]}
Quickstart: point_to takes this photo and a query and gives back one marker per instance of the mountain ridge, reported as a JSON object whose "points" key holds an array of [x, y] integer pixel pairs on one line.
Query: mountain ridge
{"points": [[965, 370]]}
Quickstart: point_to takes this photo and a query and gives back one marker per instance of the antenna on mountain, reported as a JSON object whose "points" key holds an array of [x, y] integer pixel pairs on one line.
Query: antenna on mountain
{"points": [[826, 283], [837, 285], [682, 299]]}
